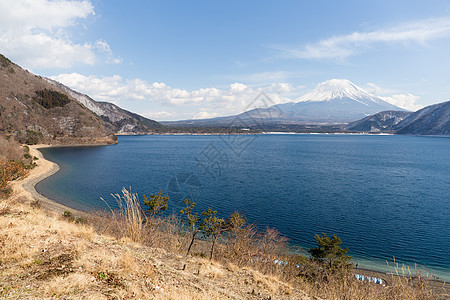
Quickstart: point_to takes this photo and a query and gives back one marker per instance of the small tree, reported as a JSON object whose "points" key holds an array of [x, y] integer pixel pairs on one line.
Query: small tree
{"points": [[330, 253], [235, 225], [241, 237], [212, 227], [273, 243], [191, 219], [157, 203], [235, 222]]}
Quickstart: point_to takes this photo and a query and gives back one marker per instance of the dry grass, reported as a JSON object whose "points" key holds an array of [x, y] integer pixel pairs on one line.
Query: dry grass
{"points": [[10, 149], [72, 284], [130, 224], [43, 255], [271, 283], [237, 251], [46, 256], [130, 217]]}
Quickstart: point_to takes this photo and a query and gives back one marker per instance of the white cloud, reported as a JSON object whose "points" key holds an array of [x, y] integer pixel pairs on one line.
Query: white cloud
{"points": [[42, 14], [104, 47], [35, 33], [284, 88], [205, 115], [158, 114], [406, 101], [377, 90], [238, 87], [343, 46], [204, 102]]}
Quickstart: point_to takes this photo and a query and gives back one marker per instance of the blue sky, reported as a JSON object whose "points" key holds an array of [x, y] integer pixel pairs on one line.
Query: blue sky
{"points": [[172, 60]]}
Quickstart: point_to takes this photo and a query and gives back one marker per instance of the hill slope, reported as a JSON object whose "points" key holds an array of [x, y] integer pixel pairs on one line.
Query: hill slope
{"points": [[430, 120], [34, 111], [385, 121], [120, 120]]}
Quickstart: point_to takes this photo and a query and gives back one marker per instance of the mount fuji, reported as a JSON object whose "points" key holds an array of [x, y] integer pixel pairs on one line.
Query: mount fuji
{"points": [[336, 101]]}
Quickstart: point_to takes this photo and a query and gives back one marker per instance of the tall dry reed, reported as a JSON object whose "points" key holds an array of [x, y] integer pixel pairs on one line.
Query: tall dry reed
{"points": [[130, 217]]}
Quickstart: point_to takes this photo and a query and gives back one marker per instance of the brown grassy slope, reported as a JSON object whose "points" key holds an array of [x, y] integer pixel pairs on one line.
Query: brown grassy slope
{"points": [[70, 124], [43, 256]]}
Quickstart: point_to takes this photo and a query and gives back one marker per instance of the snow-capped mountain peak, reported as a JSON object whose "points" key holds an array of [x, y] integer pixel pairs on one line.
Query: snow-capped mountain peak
{"points": [[338, 89]]}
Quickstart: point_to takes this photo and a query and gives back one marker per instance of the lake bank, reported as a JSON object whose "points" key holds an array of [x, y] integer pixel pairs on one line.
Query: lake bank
{"points": [[44, 168]]}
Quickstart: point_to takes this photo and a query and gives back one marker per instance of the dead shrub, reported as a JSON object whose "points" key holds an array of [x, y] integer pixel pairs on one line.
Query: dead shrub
{"points": [[9, 171], [10, 149]]}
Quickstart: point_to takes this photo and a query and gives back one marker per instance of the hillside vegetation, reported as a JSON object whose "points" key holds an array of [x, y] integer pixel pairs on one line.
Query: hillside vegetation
{"points": [[50, 99], [430, 120], [34, 111]]}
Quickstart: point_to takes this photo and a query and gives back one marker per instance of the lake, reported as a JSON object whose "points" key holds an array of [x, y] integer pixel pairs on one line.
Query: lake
{"points": [[384, 196]]}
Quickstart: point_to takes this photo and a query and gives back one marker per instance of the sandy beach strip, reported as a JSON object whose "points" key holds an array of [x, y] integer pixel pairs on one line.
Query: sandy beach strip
{"points": [[26, 187]]}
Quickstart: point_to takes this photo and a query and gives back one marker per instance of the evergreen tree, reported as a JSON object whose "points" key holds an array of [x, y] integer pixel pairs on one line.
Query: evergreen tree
{"points": [[157, 203], [330, 253]]}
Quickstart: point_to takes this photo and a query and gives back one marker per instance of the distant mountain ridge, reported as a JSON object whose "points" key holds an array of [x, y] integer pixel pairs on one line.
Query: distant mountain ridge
{"points": [[430, 120], [36, 109], [336, 101], [385, 121]]}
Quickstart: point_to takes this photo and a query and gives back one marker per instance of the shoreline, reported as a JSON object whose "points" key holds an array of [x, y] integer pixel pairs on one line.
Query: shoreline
{"points": [[46, 168], [388, 278], [255, 133]]}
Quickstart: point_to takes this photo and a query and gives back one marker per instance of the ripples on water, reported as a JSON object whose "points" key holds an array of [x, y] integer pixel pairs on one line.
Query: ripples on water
{"points": [[385, 196]]}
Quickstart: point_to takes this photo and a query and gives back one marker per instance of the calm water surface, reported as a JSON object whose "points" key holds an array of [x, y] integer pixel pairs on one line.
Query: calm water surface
{"points": [[385, 196]]}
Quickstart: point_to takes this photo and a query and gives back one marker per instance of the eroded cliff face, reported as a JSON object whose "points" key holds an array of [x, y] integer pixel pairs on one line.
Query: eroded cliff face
{"points": [[117, 119], [34, 111]]}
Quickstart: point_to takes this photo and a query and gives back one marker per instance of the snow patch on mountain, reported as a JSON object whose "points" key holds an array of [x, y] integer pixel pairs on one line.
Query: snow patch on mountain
{"points": [[339, 89]]}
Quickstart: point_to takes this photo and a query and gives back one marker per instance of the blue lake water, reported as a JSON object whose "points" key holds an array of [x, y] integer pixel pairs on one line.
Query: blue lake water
{"points": [[384, 196]]}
